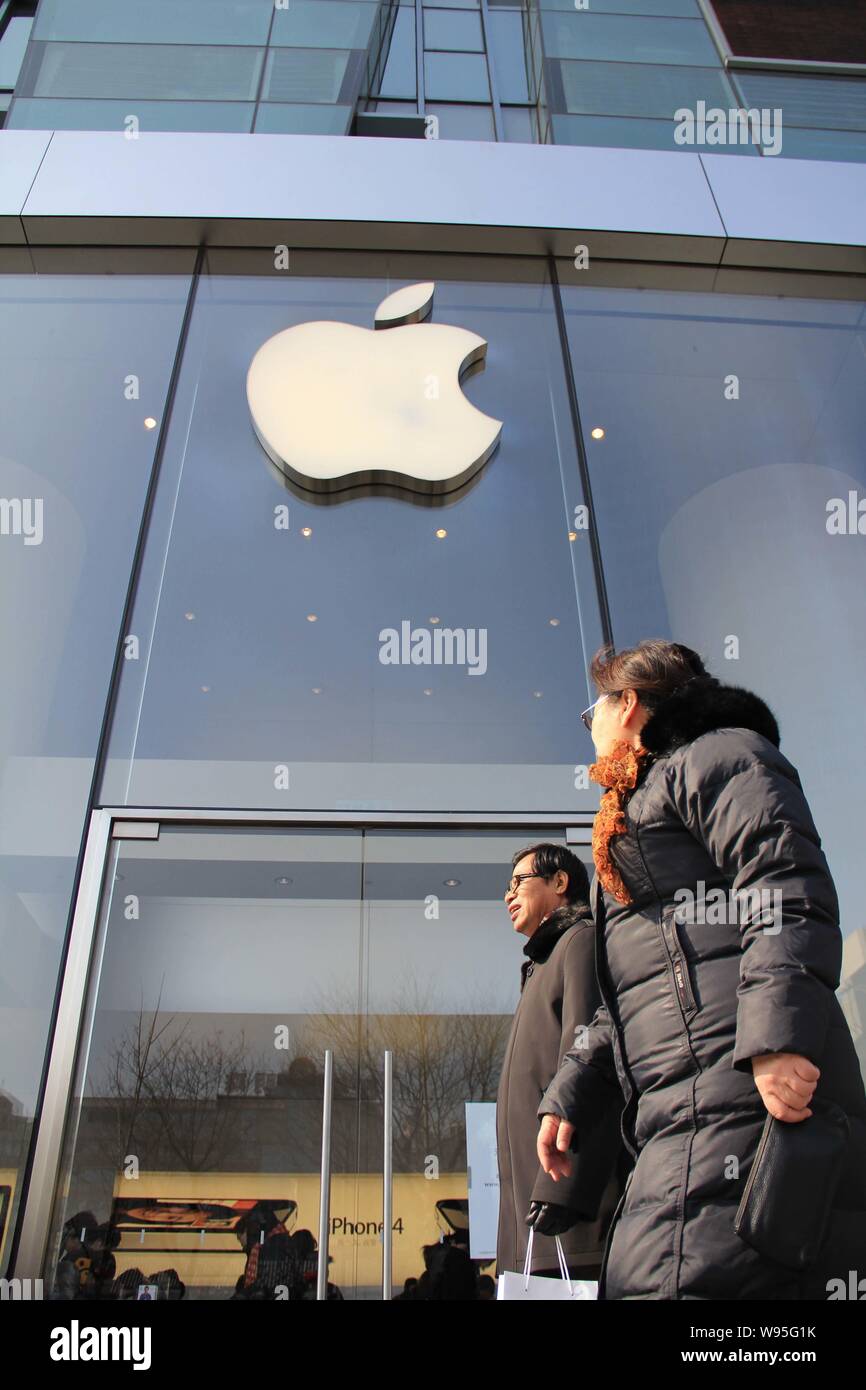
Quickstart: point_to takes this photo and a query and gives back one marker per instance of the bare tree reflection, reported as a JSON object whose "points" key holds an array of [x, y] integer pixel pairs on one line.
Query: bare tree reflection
{"points": [[441, 1060]]}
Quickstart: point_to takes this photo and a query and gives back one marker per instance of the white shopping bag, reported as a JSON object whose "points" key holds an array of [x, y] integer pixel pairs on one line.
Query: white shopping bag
{"points": [[536, 1286]]}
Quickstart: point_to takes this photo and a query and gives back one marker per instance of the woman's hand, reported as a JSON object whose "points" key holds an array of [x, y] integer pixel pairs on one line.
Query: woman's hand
{"points": [[786, 1082], [554, 1137]]}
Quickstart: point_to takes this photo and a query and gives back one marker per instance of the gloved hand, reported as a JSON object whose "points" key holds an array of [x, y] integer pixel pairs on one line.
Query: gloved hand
{"points": [[550, 1219]]}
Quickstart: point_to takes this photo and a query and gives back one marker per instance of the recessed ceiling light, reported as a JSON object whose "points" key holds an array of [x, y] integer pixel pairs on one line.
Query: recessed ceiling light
{"points": [[150, 423], [538, 694], [451, 882], [428, 692], [306, 530], [189, 616], [598, 432], [317, 690], [312, 617], [554, 622], [572, 535], [283, 882], [441, 533], [435, 620], [205, 688]]}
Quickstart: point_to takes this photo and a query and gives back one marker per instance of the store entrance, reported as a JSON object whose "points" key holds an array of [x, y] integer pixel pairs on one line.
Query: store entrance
{"points": [[229, 963]]}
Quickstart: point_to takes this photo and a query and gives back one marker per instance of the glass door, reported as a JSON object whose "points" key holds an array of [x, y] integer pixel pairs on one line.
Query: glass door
{"points": [[228, 960], [193, 1145]]}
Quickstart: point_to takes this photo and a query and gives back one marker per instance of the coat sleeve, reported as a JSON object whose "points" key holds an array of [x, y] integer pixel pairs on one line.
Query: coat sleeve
{"points": [[748, 808], [599, 1145]]}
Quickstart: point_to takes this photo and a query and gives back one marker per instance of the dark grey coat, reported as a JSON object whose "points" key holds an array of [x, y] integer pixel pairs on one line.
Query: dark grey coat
{"points": [[558, 992], [687, 1002]]}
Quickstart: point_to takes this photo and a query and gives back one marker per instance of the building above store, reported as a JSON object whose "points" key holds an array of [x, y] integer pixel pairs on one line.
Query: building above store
{"points": [[86, 188]]}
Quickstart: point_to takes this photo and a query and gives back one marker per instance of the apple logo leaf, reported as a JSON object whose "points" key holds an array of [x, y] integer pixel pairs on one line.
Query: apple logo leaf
{"points": [[408, 305], [335, 405]]}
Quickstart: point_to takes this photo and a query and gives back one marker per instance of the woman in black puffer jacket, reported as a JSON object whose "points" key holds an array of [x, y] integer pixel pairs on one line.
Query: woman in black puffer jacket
{"points": [[718, 957]]}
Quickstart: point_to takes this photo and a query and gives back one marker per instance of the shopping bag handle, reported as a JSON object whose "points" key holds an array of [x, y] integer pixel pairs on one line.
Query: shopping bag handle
{"points": [[560, 1255]]}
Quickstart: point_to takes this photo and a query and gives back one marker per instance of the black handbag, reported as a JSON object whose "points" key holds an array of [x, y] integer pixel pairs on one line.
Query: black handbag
{"points": [[788, 1196]]}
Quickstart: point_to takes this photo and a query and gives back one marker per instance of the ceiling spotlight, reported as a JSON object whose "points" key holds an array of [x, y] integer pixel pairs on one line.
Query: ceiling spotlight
{"points": [[150, 423], [598, 432], [538, 694], [554, 622], [441, 533], [451, 882], [572, 535], [312, 617], [189, 616], [306, 530], [283, 882]]}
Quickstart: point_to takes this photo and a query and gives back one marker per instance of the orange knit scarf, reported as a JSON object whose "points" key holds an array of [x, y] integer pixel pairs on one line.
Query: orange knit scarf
{"points": [[618, 771]]}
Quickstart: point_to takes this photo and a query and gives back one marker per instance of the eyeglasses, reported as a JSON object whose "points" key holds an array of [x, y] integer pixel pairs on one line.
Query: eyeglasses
{"points": [[517, 879], [587, 713]]}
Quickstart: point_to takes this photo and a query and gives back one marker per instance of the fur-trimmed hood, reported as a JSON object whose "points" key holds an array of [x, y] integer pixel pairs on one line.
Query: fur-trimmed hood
{"points": [[699, 706]]}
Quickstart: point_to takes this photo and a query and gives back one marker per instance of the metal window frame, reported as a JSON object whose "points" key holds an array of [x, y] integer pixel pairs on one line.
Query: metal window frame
{"points": [[114, 824]]}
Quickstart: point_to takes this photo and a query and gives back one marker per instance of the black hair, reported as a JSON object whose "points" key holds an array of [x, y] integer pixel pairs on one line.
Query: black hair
{"points": [[547, 858]]}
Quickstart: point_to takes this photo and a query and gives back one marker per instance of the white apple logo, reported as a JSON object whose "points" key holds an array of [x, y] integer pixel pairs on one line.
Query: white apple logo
{"points": [[330, 401]]}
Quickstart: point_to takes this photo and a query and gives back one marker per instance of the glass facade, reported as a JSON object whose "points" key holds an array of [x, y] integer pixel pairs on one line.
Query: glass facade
{"points": [[86, 365], [289, 630], [618, 73], [277, 656]]}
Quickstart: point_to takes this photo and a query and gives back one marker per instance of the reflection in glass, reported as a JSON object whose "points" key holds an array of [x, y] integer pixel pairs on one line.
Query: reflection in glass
{"points": [[157, 71], [71, 518], [731, 422], [228, 961]]}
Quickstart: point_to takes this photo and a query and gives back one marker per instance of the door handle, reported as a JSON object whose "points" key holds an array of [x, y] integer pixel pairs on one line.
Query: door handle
{"points": [[387, 1175], [325, 1193]]}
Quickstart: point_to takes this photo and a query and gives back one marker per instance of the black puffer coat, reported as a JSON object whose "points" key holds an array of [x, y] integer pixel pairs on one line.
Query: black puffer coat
{"points": [[688, 1001]]}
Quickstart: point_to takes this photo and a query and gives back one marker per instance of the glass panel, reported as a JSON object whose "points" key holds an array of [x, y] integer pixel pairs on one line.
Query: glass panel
{"points": [[12, 46], [509, 58], [629, 133], [677, 8], [824, 144], [34, 113], [304, 74], [74, 471], [315, 588], [453, 29], [396, 108], [519, 124], [147, 70], [400, 79], [627, 37], [731, 424], [227, 962], [836, 103], [312, 24], [277, 117], [159, 21], [627, 89], [443, 975], [463, 122], [456, 77]]}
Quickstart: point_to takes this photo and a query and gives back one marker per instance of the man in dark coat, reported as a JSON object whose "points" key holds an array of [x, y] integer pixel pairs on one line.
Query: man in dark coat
{"points": [[547, 902], [700, 1016]]}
